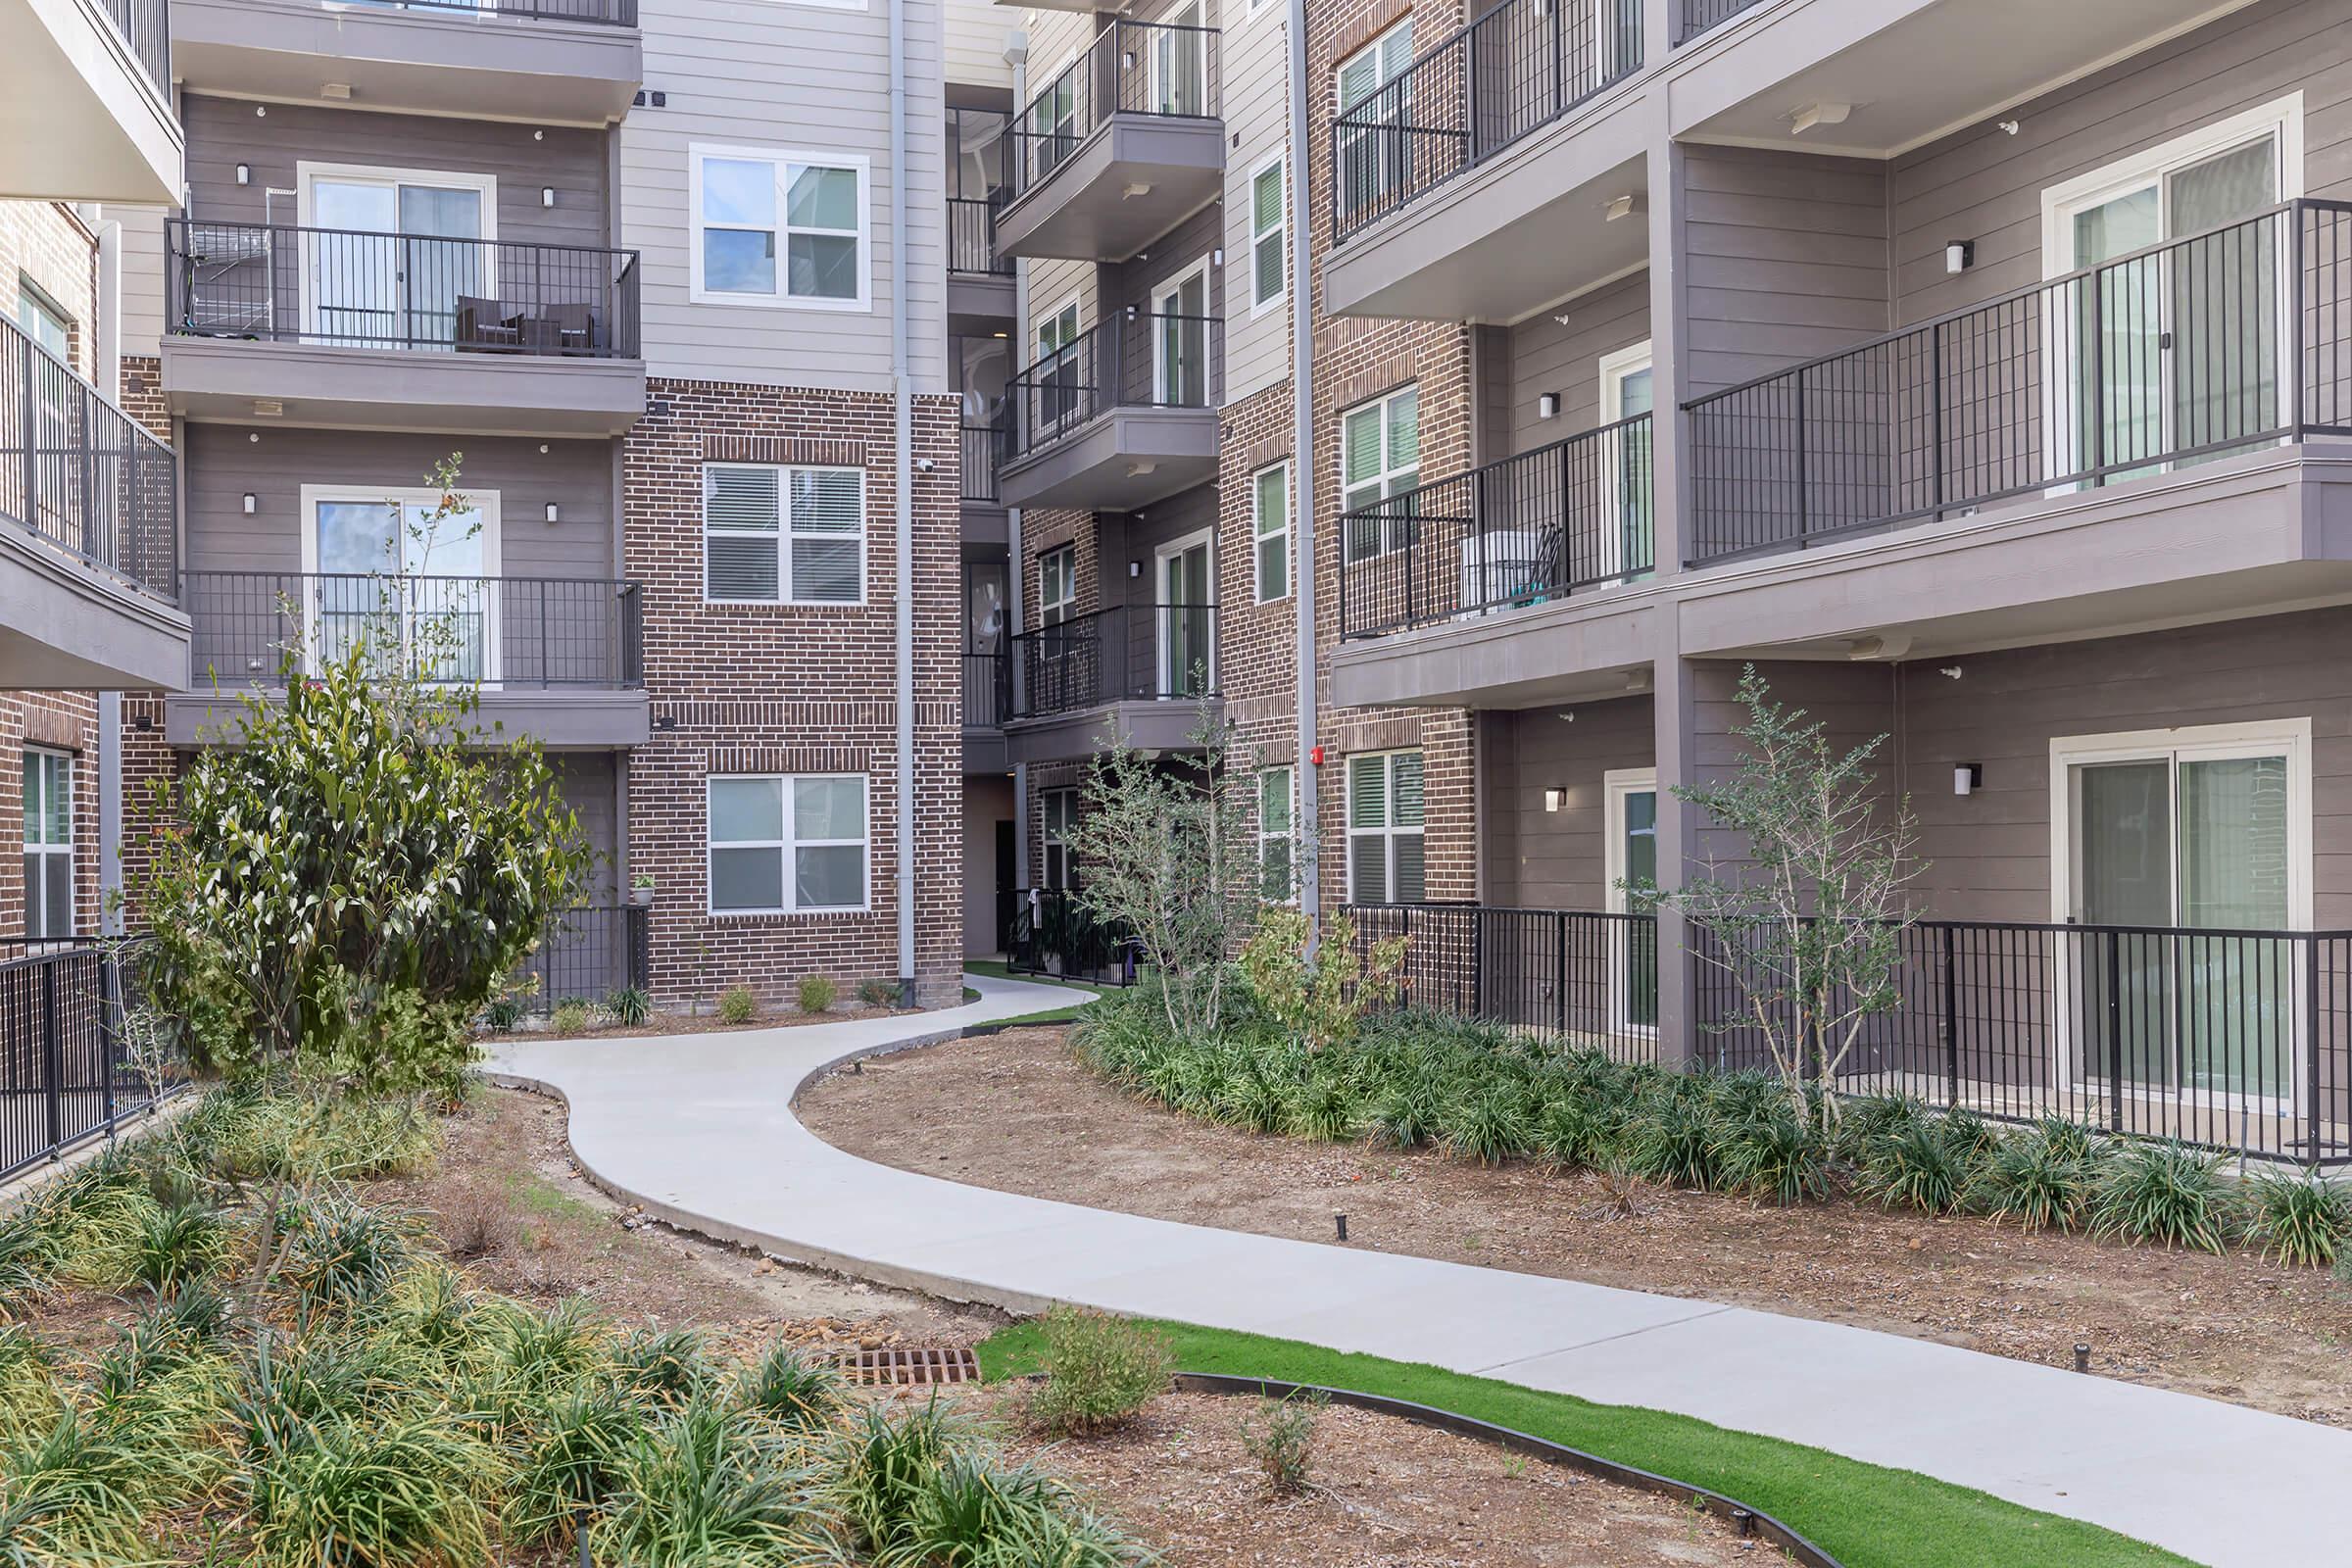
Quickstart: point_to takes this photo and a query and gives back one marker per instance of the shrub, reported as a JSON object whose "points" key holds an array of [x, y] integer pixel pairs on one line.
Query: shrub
{"points": [[883, 1468], [2301, 1220], [176, 1244], [1320, 1000], [1670, 1137], [1100, 1371], [1406, 1115], [1248, 1097], [789, 1389], [2161, 1193], [1280, 1437], [878, 993], [341, 1251], [814, 993], [1323, 1109], [1575, 1129], [570, 1461], [2040, 1178], [69, 1493], [570, 1016], [738, 1005], [708, 1489], [476, 1224], [977, 1512], [1922, 1164], [504, 1013], [368, 1492], [630, 1007], [536, 1354], [1775, 1155], [28, 1383], [1489, 1126]]}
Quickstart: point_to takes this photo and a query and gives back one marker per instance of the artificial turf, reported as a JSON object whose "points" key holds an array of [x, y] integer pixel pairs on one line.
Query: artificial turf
{"points": [[1864, 1515]]}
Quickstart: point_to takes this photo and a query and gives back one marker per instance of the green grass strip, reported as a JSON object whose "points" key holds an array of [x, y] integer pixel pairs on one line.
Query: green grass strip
{"points": [[1000, 970], [1864, 1515]]}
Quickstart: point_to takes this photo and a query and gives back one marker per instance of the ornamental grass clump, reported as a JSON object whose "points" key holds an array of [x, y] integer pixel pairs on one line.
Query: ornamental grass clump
{"points": [[710, 1487], [978, 1511], [791, 1389], [2300, 1220], [2163, 1194], [1100, 1371], [2042, 1177], [1925, 1164]]}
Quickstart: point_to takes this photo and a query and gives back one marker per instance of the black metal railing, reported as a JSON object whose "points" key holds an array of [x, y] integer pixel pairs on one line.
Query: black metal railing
{"points": [[1132, 67], [146, 26], [2236, 1039], [536, 632], [1705, 16], [587, 952], [81, 473], [987, 690], [1470, 96], [1127, 653], [1524, 530], [70, 1068], [2215, 343], [1049, 931], [979, 458], [1584, 976], [972, 238], [1135, 360], [353, 288], [601, 12]]}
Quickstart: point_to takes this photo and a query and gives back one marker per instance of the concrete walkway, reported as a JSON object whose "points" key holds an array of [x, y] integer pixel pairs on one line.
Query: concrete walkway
{"points": [[701, 1130]]}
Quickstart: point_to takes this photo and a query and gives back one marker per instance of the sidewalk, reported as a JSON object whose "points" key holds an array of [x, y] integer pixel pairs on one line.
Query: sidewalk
{"points": [[701, 1130]]}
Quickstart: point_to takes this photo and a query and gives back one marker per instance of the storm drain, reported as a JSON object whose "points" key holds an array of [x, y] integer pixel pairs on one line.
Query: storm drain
{"points": [[911, 1366]]}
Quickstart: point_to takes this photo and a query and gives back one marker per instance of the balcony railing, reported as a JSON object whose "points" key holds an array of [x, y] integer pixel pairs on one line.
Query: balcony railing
{"points": [[586, 954], [1134, 360], [1526, 530], [1578, 975], [146, 25], [1128, 652], [1705, 16], [1470, 97], [505, 632], [600, 13], [81, 473], [2216, 343], [1048, 931], [351, 288], [1132, 67], [70, 1068], [980, 444], [972, 238], [987, 690]]}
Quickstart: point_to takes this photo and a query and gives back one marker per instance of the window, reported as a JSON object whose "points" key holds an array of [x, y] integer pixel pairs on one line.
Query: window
{"points": [[1267, 274], [1380, 458], [787, 845], [1060, 815], [1374, 159], [1270, 528], [1056, 585], [1383, 828], [775, 535], [1277, 875], [392, 569], [43, 322], [48, 843], [779, 228]]}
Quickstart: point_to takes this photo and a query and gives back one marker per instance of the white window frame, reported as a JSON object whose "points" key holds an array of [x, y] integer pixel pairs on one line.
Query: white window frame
{"points": [[1163, 633], [1054, 837], [786, 595], [484, 503], [1614, 368], [1388, 474], [1616, 784], [787, 845], [1286, 836], [1390, 831], [1196, 41], [36, 898], [1067, 604], [307, 174], [1280, 233], [1163, 292], [1259, 535], [782, 159], [1339, 106]]}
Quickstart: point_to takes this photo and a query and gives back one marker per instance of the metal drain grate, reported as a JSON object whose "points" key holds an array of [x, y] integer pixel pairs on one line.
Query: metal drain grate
{"points": [[911, 1366]]}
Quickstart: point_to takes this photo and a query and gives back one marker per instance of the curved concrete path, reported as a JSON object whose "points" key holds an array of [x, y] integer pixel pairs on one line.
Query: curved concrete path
{"points": [[701, 1130]]}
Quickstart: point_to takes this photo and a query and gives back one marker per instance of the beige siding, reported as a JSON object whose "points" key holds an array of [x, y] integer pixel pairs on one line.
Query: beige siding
{"points": [[976, 31], [142, 275], [776, 74], [1255, 53]]}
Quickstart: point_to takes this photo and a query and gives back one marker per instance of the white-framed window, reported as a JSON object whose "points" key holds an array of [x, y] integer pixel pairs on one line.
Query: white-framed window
{"points": [[1277, 853], [1269, 276], [1056, 585], [1383, 828], [48, 843], [1379, 457], [396, 570], [786, 843], [779, 534], [1270, 531], [400, 257], [1630, 817], [1059, 812], [43, 322], [781, 227], [1373, 160]]}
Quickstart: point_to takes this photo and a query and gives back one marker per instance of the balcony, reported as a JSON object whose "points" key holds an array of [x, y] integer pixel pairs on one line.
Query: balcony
{"points": [[1504, 127], [88, 114], [353, 330], [980, 284], [1138, 670], [559, 62], [1122, 416], [986, 702], [1122, 145], [89, 535], [557, 658], [2116, 447]]}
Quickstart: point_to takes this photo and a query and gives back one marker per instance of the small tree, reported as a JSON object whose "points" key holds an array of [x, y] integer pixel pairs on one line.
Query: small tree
{"points": [[1809, 928], [1319, 993], [1167, 854]]}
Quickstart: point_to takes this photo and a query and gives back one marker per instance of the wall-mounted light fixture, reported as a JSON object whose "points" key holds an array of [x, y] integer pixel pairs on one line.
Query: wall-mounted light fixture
{"points": [[1135, 569], [546, 195], [249, 503], [244, 174], [552, 515], [1968, 778], [1554, 798], [1548, 404], [1959, 254], [1218, 257]]}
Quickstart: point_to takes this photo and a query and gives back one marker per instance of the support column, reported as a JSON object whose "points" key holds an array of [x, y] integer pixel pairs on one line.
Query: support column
{"points": [[1674, 714]]}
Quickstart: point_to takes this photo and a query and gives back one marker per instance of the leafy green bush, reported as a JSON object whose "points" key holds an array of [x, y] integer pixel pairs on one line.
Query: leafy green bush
{"points": [[1100, 1372], [1320, 1000], [791, 1389], [1772, 1154], [2042, 1178], [1927, 1164], [570, 1017], [1323, 1109], [738, 1005], [814, 993], [570, 1461], [505, 1013], [630, 1007], [2302, 1220], [978, 1512], [2165, 1194], [878, 993]]}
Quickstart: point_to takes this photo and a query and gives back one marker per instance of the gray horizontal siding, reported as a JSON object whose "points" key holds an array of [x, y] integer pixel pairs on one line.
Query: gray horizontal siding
{"points": [[1546, 357]]}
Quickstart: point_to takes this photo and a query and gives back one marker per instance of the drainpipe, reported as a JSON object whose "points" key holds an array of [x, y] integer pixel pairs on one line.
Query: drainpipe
{"points": [[902, 462], [1016, 55], [1302, 469], [107, 370]]}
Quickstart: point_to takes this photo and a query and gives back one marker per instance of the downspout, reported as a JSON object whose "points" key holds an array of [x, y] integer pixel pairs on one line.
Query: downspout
{"points": [[902, 488], [1302, 468], [107, 368], [1016, 54]]}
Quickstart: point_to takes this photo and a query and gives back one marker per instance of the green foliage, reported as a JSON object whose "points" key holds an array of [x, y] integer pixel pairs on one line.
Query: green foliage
{"points": [[2042, 1178], [369, 1492], [505, 1012], [1672, 1138], [1319, 998], [570, 1017], [2164, 1194], [1322, 1108], [1280, 1437], [2301, 1220], [1489, 1126], [709, 1488], [341, 1252], [738, 1005], [71, 1493], [1773, 1156], [878, 993], [177, 1244], [1100, 1371], [814, 994], [978, 1512], [884, 1470], [1928, 1165], [630, 1007], [791, 1389], [668, 1366], [571, 1460]]}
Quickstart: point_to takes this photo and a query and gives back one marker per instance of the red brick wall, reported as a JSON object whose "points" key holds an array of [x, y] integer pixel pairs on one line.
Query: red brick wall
{"points": [[752, 689]]}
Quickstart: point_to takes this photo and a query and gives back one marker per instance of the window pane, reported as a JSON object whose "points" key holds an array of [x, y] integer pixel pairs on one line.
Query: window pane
{"points": [[1273, 568], [56, 795], [828, 808], [747, 879], [33, 911], [358, 536], [1273, 509], [1405, 428], [1405, 774], [832, 877], [33, 799], [1367, 792], [825, 267], [59, 904], [1408, 868], [739, 191], [826, 570], [1361, 444], [739, 261], [744, 808], [1266, 198], [739, 568], [1368, 868], [1274, 800], [826, 500], [741, 498], [822, 198], [1268, 260]]}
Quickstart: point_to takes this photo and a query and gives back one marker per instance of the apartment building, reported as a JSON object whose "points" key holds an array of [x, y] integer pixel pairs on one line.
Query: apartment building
{"points": [[88, 564], [669, 283]]}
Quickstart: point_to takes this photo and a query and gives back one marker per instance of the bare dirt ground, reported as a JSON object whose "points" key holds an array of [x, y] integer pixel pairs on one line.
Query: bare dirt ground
{"points": [[1016, 1112]]}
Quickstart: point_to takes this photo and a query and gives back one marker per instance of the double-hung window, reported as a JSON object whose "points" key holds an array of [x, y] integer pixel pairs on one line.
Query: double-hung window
{"points": [[1270, 530], [1267, 274], [48, 843], [1060, 815], [780, 535], [1375, 105], [1380, 459], [1383, 828], [775, 227], [787, 844], [1277, 874]]}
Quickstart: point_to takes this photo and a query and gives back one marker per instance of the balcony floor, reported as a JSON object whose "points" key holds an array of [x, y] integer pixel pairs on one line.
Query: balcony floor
{"points": [[222, 380]]}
